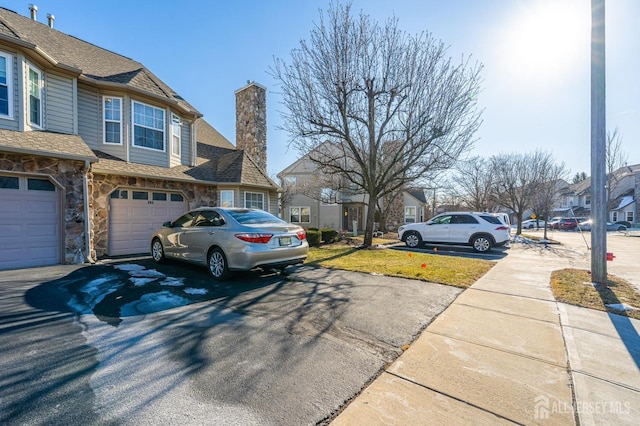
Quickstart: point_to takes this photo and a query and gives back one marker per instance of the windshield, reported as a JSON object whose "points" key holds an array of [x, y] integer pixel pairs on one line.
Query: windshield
{"points": [[247, 217]]}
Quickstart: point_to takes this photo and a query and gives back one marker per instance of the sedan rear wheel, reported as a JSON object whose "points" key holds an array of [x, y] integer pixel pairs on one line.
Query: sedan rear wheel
{"points": [[413, 239], [481, 244], [157, 251], [218, 266]]}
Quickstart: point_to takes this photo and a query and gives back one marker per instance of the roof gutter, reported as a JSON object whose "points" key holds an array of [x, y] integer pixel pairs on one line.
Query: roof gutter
{"points": [[40, 52], [49, 154]]}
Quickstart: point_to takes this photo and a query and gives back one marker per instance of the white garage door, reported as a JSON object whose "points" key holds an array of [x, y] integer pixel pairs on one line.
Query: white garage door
{"points": [[29, 222], [135, 214]]}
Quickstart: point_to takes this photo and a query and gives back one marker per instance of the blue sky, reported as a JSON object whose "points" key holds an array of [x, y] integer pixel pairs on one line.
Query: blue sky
{"points": [[536, 56]]}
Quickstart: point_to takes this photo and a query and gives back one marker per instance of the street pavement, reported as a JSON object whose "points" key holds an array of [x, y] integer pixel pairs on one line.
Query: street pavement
{"points": [[505, 352]]}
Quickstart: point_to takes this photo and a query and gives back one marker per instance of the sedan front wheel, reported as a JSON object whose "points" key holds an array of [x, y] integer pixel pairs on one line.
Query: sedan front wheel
{"points": [[157, 251]]}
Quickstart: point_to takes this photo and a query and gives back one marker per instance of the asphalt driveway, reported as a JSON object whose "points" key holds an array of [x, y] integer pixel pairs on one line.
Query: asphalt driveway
{"points": [[131, 342]]}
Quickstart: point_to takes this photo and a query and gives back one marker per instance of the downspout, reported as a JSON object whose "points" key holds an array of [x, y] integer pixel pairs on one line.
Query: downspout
{"points": [[194, 138], [87, 230]]}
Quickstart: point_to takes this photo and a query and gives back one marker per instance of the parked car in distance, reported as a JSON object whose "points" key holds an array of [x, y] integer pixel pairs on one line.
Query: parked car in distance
{"points": [[482, 231], [568, 223], [586, 226], [533, 223], [230, 239], [553, 222]]}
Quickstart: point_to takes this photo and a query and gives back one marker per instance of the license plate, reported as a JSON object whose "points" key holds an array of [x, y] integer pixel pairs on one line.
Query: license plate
{"points": [[285, 241]]}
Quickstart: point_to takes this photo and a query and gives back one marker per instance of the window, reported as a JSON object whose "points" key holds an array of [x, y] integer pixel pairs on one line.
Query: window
{"points": [[587, 200], [148, 126], [300, 214], [184, 220], [463, 219], [630, 217], [177, 197], [289, 181], [9, 182], [159, 196], [175, 134], [138, 195], [40, 185], [6, 81], [112, 120], [119, 193], [226, 198], [253, 200], [409, 215], [614, 216], [328, 196], [35, 97]]}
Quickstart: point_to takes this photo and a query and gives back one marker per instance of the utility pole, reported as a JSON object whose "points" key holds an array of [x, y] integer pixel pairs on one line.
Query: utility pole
{"points": [[598, 141]]}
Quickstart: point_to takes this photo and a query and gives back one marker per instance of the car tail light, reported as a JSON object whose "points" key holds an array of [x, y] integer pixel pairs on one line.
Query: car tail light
{"points": [[502, 228], [255, 238], [301, 235]]}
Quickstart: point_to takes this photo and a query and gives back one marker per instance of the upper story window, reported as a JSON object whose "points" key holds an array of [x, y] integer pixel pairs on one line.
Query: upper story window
{"points": [[112, 120], [148, 126], [328, 196], [35, 97], [253, 200], [175, 134], [6, 82]]}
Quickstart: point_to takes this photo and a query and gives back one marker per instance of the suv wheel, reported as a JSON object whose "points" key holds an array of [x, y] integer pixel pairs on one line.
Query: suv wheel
{"points": [[481, 243], [413, 239]]}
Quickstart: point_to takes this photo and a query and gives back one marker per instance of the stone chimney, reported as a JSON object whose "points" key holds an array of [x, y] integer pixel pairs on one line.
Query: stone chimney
{"points": [[34, 11], [251, 122]]}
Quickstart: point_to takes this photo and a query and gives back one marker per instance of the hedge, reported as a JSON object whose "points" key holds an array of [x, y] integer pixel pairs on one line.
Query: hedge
{"points": [[328, 235]]}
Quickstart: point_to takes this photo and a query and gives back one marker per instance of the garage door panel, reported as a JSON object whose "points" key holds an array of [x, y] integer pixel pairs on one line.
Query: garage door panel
{"points": [[30, 228], [132, 222]]}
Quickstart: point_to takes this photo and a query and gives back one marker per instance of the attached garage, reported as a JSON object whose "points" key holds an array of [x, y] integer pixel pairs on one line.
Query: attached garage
{"points": [[30, 220], [135, 213]]}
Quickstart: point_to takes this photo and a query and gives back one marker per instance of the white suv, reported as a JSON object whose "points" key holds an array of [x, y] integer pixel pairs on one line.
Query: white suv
{"points": [[482, 231]]}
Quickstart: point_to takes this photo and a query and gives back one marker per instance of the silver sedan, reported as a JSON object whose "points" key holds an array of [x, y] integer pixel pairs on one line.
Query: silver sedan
{"points": [[230, 239]]}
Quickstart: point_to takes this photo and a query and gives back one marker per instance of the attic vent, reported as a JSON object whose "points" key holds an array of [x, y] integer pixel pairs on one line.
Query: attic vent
{"points": [[51, 17], [34, 11]]}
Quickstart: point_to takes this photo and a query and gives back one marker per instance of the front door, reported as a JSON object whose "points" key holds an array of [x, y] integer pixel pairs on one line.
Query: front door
{"points": [[351, 214]]}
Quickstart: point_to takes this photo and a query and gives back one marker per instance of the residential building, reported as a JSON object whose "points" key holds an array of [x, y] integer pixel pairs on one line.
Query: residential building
{"points": [[96, 151], [314, 200]]}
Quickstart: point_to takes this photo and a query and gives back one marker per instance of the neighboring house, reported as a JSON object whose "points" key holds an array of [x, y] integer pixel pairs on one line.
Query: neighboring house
{"points": [[576, 199], [312, 200], [96, 151]]}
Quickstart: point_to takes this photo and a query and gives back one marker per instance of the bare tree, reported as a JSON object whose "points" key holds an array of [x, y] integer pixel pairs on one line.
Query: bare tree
{"points": [[474, 181], [517, 178], [356, 85], [616, 159], [549, 181]]}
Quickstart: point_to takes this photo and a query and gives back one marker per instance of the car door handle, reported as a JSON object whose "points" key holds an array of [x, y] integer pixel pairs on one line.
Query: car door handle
{"points": [[212, 232]]}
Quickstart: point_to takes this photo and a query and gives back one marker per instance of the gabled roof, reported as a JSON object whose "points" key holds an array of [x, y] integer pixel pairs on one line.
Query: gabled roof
{"points": [[210, 136], [418, 194], [92, 63], [49, 144]]}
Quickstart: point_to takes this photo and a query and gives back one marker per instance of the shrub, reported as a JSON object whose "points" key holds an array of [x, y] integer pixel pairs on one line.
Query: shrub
{"points": [[313, 237], [328, 235]]}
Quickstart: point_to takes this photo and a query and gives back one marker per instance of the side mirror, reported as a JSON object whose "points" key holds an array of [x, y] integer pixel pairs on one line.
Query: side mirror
{"points": [[167, 224]]}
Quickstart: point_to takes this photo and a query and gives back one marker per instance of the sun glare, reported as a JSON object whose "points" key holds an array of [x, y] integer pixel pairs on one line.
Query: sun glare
{"points": [[545, 40]]}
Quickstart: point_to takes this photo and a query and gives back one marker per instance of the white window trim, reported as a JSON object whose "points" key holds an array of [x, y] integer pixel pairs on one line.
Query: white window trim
{"points": [[133, 125], [415, 214], [175, 122], [264, 206], [104, 119], [9, 61], [632, 213], [30, 67], [300, 214], [614, 216], [233, 196]]}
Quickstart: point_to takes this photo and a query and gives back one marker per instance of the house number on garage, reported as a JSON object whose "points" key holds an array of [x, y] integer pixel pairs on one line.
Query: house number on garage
{"points": [[149, 202]]}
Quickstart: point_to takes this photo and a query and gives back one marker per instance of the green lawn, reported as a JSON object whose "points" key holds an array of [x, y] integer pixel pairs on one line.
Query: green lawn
{"points": [[450, 270]]}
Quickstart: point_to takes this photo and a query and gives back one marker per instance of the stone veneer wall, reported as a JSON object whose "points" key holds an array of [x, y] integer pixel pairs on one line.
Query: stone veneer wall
{"points": [[67, 173], [636, 197], [103, 185], [251, 123], [395, 216]]}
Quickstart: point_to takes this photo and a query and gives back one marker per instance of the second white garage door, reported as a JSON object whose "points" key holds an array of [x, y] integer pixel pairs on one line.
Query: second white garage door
{"points": [[29, 222], [135, 214]]}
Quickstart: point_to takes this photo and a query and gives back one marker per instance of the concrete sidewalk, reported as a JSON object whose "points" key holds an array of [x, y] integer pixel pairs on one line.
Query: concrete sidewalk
{"points": [[506, 352]]}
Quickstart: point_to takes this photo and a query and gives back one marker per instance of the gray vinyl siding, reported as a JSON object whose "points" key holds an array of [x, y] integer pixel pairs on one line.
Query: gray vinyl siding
{"points": [[150, 157], [59, 103], [273, 203], [89, 116], [13, 123], [185, 148]]}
